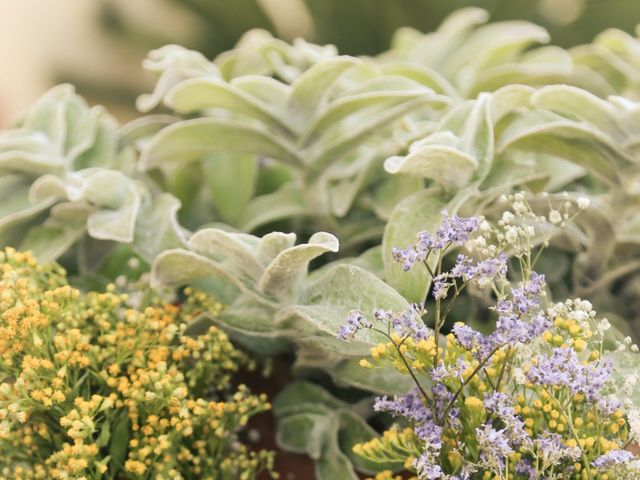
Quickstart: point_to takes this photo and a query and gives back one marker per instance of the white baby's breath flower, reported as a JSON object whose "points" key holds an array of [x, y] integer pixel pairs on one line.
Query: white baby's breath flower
{"points": [[583, 202], [633, 417], [604, 325], [519, 377], [507, 217], [555, 217]]}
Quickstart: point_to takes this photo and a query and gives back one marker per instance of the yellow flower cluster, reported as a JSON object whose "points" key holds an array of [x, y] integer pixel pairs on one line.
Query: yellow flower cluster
{"points": [[543, 410], [93, 388]]}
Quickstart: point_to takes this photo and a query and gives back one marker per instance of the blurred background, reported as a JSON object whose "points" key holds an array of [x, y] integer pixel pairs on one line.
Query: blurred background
{"points": [[99, 44]]}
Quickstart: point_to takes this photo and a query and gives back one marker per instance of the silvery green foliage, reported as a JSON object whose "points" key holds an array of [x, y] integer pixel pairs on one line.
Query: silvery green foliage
{"points": [[313, 422], [468, 56], [273, 302], [550, 139], [258, 52], [324, 131], [63, 178]]}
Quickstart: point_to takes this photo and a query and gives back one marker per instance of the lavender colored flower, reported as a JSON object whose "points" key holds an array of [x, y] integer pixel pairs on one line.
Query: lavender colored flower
{"points": [[409, 406], [408, 257], [482, 272], [355, 322], [563, 368], [493, 445], [467, 336], [612, 458], [440, 287], [427, 467], [502, 407], [410, 323], [455, 230], [527, 297], [553, 451], [526, 469]]}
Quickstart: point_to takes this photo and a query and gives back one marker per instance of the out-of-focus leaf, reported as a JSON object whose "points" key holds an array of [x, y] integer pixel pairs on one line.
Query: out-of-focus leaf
{"points": [[196, 139], [419, 211]]}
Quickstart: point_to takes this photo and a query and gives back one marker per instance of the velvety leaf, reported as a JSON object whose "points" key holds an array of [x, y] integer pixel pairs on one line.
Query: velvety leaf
{"points": [[393, 190], [117, 199], [274, 243], [24, 151], [573, 102], [310, 89], [231, 180], [334, 465], [266, 89], [575, 142], [173, 64], [15, 203], [324, 155], [305, 433], [195, 139], [64, 227], [288, 201], [383, 381], [178, 267], [423, 75], [371, 102], [144, 127], [316, 326], [447, 166], [198, 94], [282, 277], [419, 211], [157, 228], [232, 251]]}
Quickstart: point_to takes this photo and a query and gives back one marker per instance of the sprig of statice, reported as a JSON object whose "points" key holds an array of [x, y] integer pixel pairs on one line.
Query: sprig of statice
{"points": [[534, 399]]}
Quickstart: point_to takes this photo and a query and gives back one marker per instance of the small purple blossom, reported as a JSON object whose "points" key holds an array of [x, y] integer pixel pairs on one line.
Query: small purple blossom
{"points": [[493, 444], [502, 407], [482, 272], [440, 287], [455, 230], [410, 323], [612, 458], [563, 368], [552, 450], [427, 467], [355, 322]]}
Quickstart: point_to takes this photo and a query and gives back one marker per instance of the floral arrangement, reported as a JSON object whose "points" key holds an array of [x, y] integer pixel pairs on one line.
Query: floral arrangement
{"points": [[536, 398], [93, 387], [280, 180]]}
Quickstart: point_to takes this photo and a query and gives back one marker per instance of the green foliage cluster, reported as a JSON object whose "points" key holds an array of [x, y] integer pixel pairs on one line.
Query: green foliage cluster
{"points": [[273, 137]]}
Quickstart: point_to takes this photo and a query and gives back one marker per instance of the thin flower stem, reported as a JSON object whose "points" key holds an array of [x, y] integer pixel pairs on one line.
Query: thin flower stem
{"points": [[453, 300], [406, 364], [567, 415], [504, 366], [466, 382]]}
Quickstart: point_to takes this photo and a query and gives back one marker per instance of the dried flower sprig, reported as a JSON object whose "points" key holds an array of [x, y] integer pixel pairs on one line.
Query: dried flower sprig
{"points": [[534, 399], [91, 388]]}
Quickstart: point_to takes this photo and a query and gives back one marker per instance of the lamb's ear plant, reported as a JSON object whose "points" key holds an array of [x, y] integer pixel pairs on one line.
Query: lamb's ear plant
{"points": [[312, 144], [66, 181], [313, 422], [274, 304], [468, 56]]}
